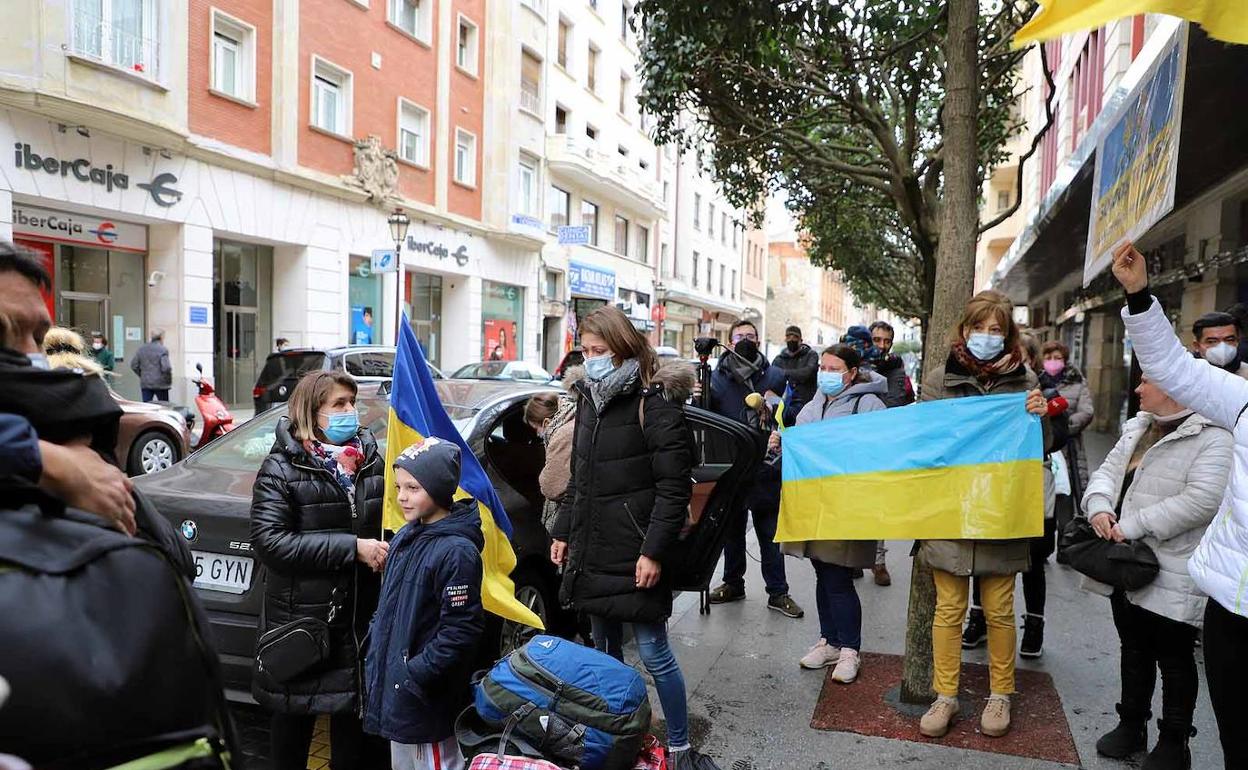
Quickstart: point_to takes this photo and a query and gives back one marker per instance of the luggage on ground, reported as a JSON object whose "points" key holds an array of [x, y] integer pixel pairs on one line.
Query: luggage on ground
{"points": [[579, 707]]}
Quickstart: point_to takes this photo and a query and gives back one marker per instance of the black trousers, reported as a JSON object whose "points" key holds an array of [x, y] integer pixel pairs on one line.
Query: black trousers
{"points": [[1151, 642], [1226, 670], [350, 748]]}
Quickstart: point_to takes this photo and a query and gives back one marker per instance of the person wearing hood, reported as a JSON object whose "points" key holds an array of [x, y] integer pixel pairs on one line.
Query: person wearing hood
{"points": [[315, 525], [429, 619], [553, 417], [62, 497], [742, 371], [985, 358], [844, 388], [800, 364], [626, 505], [1215, 338], [1161, 484]]}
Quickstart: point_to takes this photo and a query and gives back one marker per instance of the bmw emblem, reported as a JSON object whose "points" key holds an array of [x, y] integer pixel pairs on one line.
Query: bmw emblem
{"points": [[281, 391], [190, 531]]}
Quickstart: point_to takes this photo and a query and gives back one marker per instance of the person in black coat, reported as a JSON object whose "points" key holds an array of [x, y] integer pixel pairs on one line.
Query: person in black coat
{"points": [[315, 513], [801, 368], [627, 502]]}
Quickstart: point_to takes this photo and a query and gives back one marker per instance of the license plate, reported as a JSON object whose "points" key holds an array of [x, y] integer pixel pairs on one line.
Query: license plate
{"points": [[219, 572]]}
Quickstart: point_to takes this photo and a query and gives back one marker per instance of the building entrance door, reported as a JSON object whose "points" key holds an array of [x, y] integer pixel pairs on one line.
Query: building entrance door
{"points": [[238, 364]]}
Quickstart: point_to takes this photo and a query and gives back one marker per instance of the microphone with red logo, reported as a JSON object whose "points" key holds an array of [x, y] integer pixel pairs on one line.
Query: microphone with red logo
{"points": [[765, 408]]}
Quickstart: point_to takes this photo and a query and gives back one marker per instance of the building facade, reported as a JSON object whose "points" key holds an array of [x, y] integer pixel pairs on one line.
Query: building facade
{"points": [[224, 172], [1197, 251], [703, 262]]}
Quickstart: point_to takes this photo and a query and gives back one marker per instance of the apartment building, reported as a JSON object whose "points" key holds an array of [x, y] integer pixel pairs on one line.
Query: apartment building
{"points": [[702, 254], [1198, 250], [224, 171], [585, 163]]}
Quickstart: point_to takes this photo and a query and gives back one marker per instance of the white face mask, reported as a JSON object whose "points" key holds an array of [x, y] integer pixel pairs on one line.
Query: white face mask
{"points": [[1221, 354], [97, 345]]}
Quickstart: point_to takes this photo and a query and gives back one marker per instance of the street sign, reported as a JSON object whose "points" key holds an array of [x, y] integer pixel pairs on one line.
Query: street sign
{"points": [[384, 261], [573, 235]]}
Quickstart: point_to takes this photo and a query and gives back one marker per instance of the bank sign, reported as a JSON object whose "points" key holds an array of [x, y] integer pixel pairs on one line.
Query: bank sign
{"points": [[591, 281], [44, 224], [160, 187]]}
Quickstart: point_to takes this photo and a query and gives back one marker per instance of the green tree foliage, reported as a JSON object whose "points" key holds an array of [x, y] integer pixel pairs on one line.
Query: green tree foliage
{"points": [[838, 104]]}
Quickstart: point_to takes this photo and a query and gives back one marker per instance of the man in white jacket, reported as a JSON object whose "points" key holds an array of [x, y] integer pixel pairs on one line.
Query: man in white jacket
{"points": [[1220, 564]]}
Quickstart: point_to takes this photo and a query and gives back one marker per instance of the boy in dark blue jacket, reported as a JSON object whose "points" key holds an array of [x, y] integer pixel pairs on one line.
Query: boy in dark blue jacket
{"points": [[429, 619]]}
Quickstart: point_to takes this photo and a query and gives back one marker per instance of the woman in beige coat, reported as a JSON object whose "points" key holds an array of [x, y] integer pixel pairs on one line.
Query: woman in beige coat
{"points": [[986, 357]]}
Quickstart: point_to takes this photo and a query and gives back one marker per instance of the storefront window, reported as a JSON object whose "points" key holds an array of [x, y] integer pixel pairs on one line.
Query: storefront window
{"points": [[364, 299], [424, 312], [84, 269], [502, 321]]}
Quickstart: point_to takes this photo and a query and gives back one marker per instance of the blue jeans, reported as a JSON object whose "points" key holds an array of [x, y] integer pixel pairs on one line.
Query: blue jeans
{"points": [[840, 611], [764, 507], [158, 394], [657, 656]]}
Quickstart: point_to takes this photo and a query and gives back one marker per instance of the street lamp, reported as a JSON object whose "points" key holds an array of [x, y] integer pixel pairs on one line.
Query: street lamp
{"points": [[399, 222], [660, 300]]}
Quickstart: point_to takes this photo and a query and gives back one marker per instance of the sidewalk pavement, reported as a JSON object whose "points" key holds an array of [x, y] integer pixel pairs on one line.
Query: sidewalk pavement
{"points": [[751, 705]]}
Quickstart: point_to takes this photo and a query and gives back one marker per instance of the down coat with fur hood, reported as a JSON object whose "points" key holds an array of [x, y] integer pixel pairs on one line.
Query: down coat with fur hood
{"points": [[629, 494]]}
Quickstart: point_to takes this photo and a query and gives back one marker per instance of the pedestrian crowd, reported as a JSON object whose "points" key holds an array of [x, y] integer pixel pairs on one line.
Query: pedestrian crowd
{"points": [[382, 636]]}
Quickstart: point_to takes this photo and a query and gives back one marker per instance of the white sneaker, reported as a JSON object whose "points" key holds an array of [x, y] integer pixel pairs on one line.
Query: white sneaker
{"points": [[846, 670], [821, 655]]}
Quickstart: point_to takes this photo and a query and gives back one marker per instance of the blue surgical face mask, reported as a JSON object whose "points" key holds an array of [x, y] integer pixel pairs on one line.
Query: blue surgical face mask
{"points": [[985, 347], [831, 383], [342, 426], [598, 367]]}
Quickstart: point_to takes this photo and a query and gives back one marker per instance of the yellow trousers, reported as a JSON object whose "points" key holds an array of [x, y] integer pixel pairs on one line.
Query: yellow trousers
{"points": [[952, 599]]}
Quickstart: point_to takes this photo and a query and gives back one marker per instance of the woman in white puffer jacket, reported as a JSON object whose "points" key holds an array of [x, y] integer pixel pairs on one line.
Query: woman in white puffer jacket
{"points": [[1220, 564], [1161, 484]]}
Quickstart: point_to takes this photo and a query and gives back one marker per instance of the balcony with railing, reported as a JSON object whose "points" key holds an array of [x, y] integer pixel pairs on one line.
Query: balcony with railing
{"points": [[120, 43], [531, 96], [609, 175]]}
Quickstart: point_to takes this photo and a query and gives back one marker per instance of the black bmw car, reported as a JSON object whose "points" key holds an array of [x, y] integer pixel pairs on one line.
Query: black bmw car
{"points": [[207, 497]]}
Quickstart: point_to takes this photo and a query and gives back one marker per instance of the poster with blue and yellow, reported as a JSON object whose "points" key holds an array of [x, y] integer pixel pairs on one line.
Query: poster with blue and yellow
{"points": [[1137, 158]]}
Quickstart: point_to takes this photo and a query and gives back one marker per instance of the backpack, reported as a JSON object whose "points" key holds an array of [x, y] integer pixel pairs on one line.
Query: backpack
{"points": [[580, 707], [105, 647]]}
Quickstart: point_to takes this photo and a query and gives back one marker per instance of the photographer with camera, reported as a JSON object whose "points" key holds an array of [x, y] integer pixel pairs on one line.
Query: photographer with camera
{"points": [[743, 370]]}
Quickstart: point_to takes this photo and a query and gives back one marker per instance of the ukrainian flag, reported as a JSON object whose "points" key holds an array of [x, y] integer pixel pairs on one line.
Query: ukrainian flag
{"points": [[962, 468], [1222, 19], [416, 412]]}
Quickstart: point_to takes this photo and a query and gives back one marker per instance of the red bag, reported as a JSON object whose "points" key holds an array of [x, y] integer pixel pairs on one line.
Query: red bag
{"points": [[652, 757]]}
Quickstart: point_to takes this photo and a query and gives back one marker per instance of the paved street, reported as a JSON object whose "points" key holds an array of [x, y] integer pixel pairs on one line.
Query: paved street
{"points": [[751, 705]]}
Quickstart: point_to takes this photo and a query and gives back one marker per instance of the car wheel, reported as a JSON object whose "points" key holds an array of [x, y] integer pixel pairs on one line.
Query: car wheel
{"points": [[151, 452], [536, 593]]}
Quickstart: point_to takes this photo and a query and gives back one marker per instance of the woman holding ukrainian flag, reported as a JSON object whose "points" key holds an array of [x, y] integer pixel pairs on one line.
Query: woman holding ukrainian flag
{"points": [[986, 357]]}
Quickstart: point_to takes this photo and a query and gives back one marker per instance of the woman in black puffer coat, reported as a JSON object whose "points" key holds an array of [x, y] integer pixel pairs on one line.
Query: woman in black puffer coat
{"points": [[632, 454], [315, 506]]}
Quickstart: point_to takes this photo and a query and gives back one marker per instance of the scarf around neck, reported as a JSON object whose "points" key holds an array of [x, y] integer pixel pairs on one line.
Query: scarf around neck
{"points": [[342, 461], [615, 383], [986, 372]]}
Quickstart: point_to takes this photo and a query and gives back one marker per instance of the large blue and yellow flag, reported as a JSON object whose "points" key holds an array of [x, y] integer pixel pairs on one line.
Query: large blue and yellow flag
{"points": [[1222, 19], [416, 412], [963, 468]]}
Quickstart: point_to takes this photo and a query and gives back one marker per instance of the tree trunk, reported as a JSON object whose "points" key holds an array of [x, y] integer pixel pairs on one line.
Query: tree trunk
{"points": [[955, 275]]}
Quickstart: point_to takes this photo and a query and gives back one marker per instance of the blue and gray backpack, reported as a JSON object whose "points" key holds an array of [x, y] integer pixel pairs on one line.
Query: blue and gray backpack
{"points": [[580, 707]]}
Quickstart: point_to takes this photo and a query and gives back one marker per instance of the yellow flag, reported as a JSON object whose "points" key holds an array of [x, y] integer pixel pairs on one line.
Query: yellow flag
{"points": [[1222, 19]]}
